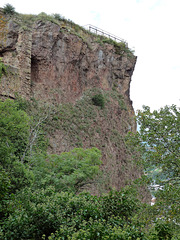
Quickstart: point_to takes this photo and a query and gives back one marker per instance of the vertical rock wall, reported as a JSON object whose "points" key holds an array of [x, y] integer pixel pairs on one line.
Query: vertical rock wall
{"points": [[54, 65], [15, 50], [49, 63]]}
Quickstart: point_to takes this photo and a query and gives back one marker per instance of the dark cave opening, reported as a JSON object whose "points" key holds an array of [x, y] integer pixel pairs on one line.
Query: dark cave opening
{"points": [[34, 70]]}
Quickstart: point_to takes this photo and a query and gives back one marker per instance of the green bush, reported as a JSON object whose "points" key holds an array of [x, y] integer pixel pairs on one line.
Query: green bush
{"points": [[98, 100], [163, 229], [14, 131], [121, 48], [3, 68], [45, 17], [5, 183], [69, 216], [9, 9], [58, 17], [47, 214], [20, 176], [122, 204], [69, 171]]}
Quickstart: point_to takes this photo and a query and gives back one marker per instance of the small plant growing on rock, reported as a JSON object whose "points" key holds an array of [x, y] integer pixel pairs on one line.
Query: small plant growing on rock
{"points": [[58, 17], [3, 69], [98, 100], [9, 9]]}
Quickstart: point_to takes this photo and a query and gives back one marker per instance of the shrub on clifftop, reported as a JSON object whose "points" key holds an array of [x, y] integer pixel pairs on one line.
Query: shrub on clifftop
{"points": [[9, 9]]}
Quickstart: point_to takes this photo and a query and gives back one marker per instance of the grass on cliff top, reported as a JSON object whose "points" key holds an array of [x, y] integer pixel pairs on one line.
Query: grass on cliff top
{"points": [[26, 21]]}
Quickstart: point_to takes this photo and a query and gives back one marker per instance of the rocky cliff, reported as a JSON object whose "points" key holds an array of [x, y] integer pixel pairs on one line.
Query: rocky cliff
{"points": [[55, 61]]}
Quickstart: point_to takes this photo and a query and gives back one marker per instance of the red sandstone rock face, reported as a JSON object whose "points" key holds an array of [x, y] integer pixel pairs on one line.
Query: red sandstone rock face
{"points": [[15, 50], [63, 65], [56, 66]]}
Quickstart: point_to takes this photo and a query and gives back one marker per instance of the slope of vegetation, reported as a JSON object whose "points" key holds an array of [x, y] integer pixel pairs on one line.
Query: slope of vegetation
{"points": [[41, 196]]}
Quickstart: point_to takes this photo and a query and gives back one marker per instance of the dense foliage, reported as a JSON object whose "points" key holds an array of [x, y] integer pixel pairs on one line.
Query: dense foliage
{"points": [[68, 216], [160, 136], [24, 166], [158, 141], [14, 135], [41, 195], [98, 100]]}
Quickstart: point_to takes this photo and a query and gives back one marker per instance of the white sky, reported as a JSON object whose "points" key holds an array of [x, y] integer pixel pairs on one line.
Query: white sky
{"points": [[151, 28]]}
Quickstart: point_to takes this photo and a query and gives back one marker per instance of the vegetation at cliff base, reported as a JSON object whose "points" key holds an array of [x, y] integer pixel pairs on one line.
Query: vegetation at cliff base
{"points": [[159, 143], [42, 197], [160, 137]]}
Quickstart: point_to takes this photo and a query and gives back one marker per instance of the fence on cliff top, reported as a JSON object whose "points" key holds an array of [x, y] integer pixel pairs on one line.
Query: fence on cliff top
{"points": [[99, 31]]}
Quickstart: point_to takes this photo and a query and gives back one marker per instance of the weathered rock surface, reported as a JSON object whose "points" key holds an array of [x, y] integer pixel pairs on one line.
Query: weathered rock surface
{"points": [[49, 63], [58, 66]]}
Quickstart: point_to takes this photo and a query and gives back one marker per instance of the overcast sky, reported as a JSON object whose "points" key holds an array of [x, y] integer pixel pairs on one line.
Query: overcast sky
{"points": [[151, 28]]}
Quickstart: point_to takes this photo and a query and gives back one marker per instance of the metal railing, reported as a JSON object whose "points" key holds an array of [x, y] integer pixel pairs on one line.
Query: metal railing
{"points": [[99, 31]]}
